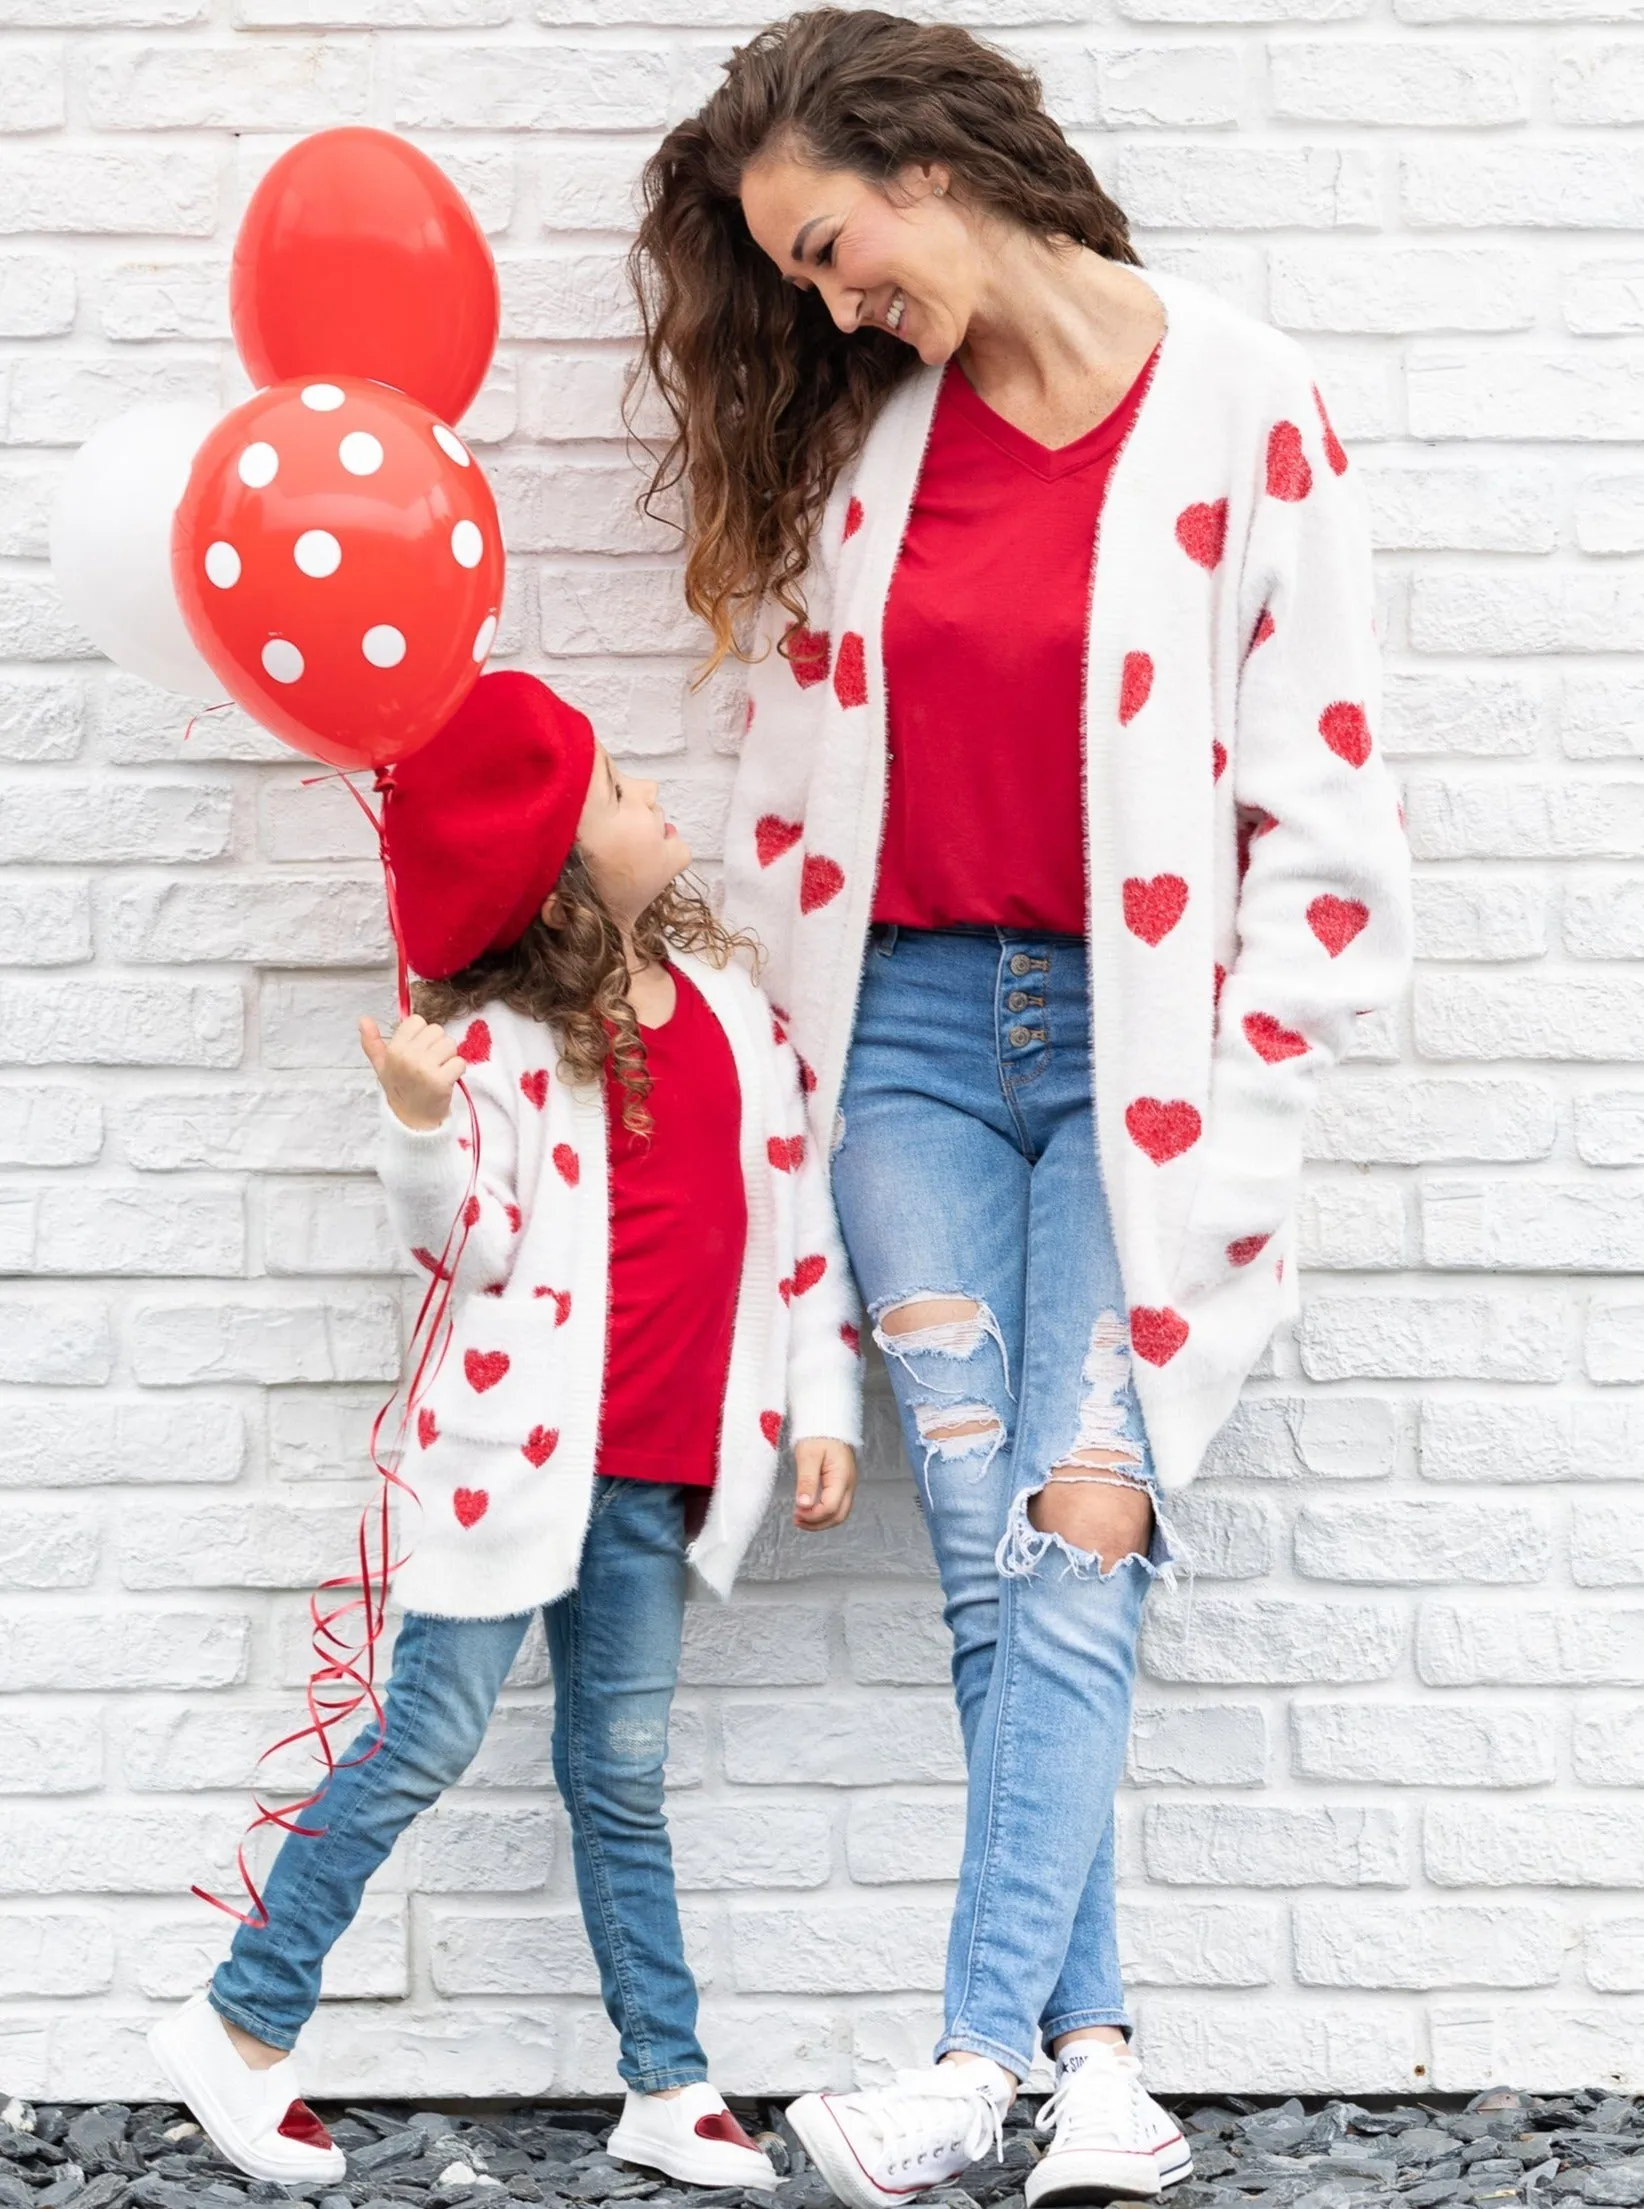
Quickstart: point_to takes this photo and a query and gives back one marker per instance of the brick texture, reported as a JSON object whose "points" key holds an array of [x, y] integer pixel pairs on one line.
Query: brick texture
{"points": [[1388, 1760]]}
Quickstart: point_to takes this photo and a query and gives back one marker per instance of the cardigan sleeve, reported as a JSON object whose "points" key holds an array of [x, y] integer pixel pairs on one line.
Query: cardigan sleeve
{"points": [[428, 1177], [824, 1333], [1323, 919]]}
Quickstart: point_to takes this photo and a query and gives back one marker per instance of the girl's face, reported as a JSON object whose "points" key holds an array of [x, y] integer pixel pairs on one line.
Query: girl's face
{"points": [[631, 849], [906, 262]]}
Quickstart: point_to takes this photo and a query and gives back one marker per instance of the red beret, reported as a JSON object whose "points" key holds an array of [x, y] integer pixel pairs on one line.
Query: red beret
{"points": [[479, 822]]}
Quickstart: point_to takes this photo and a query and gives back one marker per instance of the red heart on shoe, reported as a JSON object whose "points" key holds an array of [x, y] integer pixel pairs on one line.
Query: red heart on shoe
{"points": [[470, 1505], [485, 1368], [300, 2123]]}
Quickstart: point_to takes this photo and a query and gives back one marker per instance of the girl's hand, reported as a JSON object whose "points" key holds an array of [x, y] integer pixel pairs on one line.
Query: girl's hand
{"points": [[826, 1485], [418, 1068]]}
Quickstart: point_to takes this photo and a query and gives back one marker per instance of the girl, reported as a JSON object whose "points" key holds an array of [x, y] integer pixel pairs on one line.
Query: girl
{"points": [[646, 1271], [1062, 815]]}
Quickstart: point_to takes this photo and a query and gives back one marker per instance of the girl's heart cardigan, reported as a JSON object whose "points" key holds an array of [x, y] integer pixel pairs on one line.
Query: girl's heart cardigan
{"points": [[503, 1449], [1247, 871]]}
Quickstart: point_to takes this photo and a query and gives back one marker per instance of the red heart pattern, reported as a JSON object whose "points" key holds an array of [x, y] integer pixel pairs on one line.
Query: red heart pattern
{"points": [[1135, 685], [516, 1218], [810, 654], [1247, 1247], [539, 1445], [1218, 985], [1336, 921], [430, 1264], [820, 881], [471, 1212], [1334, 451], [850, 675], [807, 1074], [484, 1368], [1271, 1040], [428, 1432], [1288, 475], [1164, 1128], [534, 1086], [1263, 629], [475, 1046], [567, 1165], [773, 836], [1156, 1332], [1346, 730], [470, 1505], [851, 1337], [805, 1275], [770, 1426], [1218, 759], [786, 1153], [1153, 905], [853, 519], [1201, 531], [562, 1303]]}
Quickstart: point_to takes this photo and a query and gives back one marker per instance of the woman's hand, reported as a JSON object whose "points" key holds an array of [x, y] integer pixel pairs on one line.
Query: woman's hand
{"points": [[826, 1486], [418, 1068]]}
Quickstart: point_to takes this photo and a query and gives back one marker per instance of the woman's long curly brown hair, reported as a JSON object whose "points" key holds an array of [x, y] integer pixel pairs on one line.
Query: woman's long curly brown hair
{"points": [[768, 398], [573, 975]]}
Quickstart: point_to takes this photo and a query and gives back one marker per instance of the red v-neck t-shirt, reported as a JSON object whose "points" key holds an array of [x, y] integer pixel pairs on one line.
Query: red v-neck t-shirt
{"points": [[985, 635], [679, 1222]]}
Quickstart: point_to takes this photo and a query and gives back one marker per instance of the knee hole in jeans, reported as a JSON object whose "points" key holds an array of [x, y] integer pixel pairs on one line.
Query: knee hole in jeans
{"points": [[937, 1326]]}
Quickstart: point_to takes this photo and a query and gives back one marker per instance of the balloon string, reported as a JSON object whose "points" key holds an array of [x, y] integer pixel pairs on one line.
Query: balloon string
{"points": [[344, 1676], [222, 706]]}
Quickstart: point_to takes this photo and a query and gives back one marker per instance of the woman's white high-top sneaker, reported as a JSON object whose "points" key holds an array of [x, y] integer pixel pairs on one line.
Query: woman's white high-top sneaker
{"points": [[883, 2146]]}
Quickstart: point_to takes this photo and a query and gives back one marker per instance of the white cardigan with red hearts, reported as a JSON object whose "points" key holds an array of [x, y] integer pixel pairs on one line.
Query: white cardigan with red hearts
{"points": [[503, 1452], [1248, 875]]}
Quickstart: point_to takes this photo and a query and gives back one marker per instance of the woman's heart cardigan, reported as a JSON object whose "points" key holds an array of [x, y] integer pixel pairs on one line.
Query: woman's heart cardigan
{"points": [[1247, 870], [502, 1452]]}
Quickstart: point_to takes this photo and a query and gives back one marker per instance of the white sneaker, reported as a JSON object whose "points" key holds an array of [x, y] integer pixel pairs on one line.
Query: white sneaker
{"points": [[891, 2142], [690, 2136], [1109, 2137], [252, 2117]]}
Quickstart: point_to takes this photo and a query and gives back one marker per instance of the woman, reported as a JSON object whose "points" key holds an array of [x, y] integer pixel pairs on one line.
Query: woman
{"points": [[1074, 856]]}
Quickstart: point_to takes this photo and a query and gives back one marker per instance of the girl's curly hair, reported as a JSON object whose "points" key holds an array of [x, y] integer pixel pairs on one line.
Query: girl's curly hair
{"points": [[573, 976], [768, 398]]}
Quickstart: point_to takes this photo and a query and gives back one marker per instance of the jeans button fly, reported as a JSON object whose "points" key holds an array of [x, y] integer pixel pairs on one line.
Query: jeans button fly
{"points": [[1020, 963], [1016, 1000], [1019, 1036]]}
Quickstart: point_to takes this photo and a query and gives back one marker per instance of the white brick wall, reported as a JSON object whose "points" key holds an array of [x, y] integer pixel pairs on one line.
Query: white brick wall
{"points": [[1386, 1817]]}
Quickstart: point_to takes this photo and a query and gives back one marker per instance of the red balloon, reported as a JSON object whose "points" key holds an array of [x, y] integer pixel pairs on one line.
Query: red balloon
{"points": [[338, 561], [359, 257]]}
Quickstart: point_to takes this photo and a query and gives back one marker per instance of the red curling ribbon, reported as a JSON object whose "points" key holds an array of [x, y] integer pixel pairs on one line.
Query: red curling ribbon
{"points": [[344, 1678]]}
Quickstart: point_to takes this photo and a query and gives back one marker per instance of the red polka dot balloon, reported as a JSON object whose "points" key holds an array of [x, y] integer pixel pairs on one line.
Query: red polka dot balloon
{"points": [[339, 563]]}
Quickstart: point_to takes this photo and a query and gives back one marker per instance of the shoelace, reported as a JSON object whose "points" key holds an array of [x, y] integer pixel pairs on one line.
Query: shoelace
{"points": [[1099, 2097], [980, 2124]]}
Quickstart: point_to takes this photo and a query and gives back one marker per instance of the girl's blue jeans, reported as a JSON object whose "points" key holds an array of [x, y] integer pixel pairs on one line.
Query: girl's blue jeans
{"points": [[614, 1644], [965, 1168]]}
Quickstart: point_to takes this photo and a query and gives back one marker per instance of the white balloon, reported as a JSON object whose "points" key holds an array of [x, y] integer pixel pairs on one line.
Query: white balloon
{"points": [[111, 542]]}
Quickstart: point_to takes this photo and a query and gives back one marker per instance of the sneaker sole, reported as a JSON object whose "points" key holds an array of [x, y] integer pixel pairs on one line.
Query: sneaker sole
{"points": [[823, 2140], [210, 2120], [648, 2155], [1094, 2176]]}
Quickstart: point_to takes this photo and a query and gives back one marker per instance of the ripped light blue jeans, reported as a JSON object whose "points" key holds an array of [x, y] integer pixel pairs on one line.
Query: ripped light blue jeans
{"points": [[614, 1645], [966, 1168]]}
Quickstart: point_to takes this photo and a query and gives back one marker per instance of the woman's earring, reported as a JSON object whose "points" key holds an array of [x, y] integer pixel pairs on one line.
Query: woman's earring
{"points": [[939, 191]]}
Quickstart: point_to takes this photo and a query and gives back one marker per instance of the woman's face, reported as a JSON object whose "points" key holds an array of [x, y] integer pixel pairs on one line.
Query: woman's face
{"points": [[905, 262]]}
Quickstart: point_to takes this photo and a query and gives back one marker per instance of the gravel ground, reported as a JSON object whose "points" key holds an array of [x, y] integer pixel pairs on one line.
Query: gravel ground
{"points": [[1539, 2150]]}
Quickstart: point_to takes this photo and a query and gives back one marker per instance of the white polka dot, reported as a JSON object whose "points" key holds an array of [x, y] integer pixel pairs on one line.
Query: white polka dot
{"points": [[383, 645], [222, 565], [360, 453], [487, 632], [259, 465], [317, 552], [467, 544], [323, 398], [451, 445], [282, 660]]}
